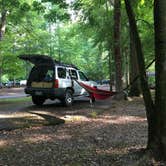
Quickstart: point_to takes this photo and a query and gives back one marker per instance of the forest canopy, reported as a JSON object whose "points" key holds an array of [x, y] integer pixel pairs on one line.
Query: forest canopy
{"points": [[79, 32]]}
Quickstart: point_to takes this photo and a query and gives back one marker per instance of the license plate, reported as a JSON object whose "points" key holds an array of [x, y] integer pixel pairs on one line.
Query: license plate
{"points": [[38, 93]]}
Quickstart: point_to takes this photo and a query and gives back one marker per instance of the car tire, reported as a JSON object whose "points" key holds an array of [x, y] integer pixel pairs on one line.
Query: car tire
{"points": [[38, 100], [68, 98]]}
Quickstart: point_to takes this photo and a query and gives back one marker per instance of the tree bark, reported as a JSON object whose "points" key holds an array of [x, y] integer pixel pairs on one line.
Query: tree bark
{"points": [[111, 71], [117, 51], [134, 71], [149, 105], [2, 31], [160, 55], [3, 23], [126, 68], [0, 74]]}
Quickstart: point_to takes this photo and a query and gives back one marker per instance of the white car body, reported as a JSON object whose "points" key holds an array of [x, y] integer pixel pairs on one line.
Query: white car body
{"points": [[51, 79]]}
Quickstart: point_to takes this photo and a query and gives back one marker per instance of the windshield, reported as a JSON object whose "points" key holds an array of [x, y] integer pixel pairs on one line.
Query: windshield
{"points": [[82, 76]]}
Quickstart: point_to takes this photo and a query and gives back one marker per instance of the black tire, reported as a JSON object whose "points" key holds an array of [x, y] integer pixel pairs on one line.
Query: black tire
{"points": [[68, 98], [38, 100]]}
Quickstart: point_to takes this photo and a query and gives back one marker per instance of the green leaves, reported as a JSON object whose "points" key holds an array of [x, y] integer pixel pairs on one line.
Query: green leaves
{"points": [[61, 3], [55, 14], [25, 7], [38, 6], [8, 4], [45, 27]]}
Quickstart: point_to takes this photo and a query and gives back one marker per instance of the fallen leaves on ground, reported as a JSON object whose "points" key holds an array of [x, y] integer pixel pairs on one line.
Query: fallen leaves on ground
{"points": [[105, 134]]}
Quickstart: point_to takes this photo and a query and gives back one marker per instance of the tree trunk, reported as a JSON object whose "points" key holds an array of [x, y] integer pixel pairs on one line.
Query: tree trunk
{"points": [[160, 55], [0, 74], [3, 23], [110, 71], [126, 66], [150, 111], [117, 51], [2, 31], [99, 61], [1, 64], [134, 71]]}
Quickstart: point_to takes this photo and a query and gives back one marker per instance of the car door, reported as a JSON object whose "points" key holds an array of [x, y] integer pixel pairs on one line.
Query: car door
{"points": [[82, 78], [74, 75], [61, 75]]}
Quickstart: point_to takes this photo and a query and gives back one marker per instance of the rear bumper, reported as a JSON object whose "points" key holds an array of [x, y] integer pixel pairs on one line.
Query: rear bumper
{"points": [[46, 92]]}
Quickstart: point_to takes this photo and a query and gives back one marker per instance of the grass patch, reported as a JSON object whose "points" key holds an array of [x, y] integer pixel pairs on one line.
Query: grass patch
{"points": [[93, 114], [96, 112], [13, 100]]}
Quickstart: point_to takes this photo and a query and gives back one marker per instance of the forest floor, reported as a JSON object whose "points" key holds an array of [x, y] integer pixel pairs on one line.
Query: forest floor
{"points": [[108, 133]]}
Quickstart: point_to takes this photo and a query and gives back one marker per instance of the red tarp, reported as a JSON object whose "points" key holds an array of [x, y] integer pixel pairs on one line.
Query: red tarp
{"points": [[96, 93]]}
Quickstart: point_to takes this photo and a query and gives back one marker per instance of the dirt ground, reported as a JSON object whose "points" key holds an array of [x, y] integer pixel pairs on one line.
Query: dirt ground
{"points": [[106, 133]]}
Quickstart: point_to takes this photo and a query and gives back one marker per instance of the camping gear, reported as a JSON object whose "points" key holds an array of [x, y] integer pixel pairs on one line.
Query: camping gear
{"points": [[96, 93]]}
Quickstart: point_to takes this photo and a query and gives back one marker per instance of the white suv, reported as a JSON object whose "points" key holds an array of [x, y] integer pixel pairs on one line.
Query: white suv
{"points": [[51, 79]]}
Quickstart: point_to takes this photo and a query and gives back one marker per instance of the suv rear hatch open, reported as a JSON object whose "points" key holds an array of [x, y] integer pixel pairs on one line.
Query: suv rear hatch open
{"points": [[42, 74], [38, 59]]}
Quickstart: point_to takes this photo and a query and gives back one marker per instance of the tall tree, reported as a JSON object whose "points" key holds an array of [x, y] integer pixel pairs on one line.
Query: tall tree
{"points": [[156, 114], [134, 70], [3, 23], [160, 55], [150, 111], [117, 50]]}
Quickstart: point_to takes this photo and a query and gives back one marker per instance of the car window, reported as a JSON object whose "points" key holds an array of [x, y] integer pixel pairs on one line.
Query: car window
{"points": [[73, 74], [82, 76], [38, 73], [61, 72], [49, 75]]}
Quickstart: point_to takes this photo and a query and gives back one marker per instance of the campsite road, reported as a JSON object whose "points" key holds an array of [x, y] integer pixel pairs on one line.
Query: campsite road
{"points": [[12, 93]]}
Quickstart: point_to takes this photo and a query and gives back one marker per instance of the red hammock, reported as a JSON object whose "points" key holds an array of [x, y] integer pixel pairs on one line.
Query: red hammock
{"points": [[96, 93]]}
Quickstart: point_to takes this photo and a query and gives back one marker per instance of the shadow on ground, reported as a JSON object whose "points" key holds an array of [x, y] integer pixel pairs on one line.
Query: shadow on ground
{"points": [[25, 115], [27, 121]]}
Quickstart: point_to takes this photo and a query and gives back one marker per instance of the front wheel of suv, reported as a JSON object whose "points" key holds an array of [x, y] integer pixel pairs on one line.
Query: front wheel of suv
{"points": [[38, 100], [68, 98]]}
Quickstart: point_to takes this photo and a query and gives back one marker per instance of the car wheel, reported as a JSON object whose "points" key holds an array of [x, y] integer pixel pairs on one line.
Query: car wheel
{"points": [[68, 98], [38, 100]]}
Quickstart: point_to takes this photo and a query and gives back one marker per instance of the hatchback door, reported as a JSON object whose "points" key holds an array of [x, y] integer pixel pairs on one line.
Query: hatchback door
{"points": [[42, 73], [38, 59]]}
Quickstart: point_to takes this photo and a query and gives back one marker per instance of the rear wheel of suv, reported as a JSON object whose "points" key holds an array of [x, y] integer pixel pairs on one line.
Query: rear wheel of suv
{"points": [[38, 100], [68, 98]]}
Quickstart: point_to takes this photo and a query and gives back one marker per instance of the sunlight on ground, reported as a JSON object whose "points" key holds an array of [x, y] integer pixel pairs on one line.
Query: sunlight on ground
{"points": [[32, 114], [119, 151], [3, 143], [129, 99], [126, 119], [107, 119], [120, 119], [40, 112], [75, 118], [21, 115]]}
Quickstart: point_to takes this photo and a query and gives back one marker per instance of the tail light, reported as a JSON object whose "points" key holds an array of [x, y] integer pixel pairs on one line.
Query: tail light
{"points": [[56, 85]]}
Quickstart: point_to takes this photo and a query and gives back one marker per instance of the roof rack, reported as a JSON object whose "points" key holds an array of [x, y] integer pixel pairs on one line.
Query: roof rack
{"points": [[65, 65]]}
